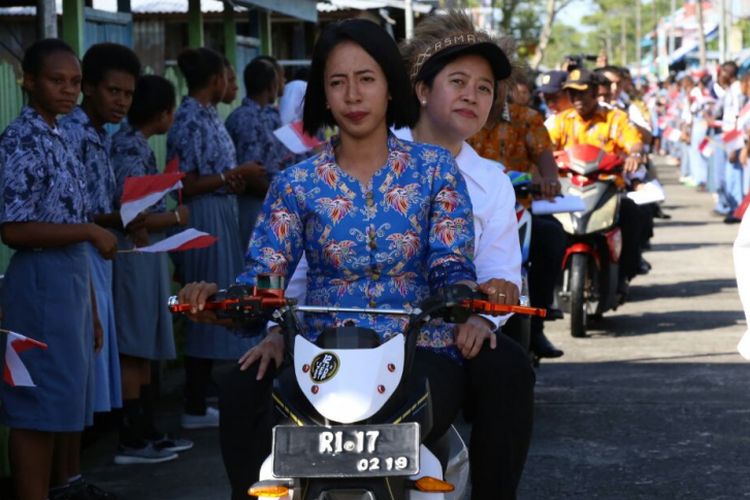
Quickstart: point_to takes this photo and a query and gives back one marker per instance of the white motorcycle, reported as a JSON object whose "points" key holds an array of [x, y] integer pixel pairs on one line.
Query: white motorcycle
{"points": [[352, 430]]}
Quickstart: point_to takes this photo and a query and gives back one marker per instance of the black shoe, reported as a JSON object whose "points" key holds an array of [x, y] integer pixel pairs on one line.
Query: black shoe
{"points": [[644, 267], [81, 490], [553, 314], [659, 214], [542, 347], [731, 219]]}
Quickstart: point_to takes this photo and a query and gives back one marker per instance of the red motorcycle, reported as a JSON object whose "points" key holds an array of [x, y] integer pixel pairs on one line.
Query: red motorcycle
{"points": [[589, 285]]}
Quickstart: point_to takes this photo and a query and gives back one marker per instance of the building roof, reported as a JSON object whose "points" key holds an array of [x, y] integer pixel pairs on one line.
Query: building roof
{"points": [[209, 6]]}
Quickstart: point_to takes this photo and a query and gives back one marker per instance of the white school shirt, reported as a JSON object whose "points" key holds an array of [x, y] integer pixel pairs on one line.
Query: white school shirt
{"points": [[497, 251]]}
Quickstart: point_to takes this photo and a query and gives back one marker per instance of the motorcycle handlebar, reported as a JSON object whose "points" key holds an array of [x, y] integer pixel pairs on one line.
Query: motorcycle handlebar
{"points": [[251, 302]]}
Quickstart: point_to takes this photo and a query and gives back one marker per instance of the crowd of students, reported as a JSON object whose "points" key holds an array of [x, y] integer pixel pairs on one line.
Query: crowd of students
{"points": [[698, 113], [104, 318]]}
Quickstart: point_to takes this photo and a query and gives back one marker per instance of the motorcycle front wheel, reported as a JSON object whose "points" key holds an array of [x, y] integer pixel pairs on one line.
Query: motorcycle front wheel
{"points": [[578, 297]]}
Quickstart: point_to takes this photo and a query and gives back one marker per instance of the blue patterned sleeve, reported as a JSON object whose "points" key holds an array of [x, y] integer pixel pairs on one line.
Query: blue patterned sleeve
{"points": [[277, 243], [451, 251], [23, 175], [188, 145], [127, 161]]}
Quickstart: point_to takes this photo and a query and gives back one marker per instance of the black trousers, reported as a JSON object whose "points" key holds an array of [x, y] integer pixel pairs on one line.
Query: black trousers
{"points": [[500, 403], [632, 225], [247, 415], [548, 244]]}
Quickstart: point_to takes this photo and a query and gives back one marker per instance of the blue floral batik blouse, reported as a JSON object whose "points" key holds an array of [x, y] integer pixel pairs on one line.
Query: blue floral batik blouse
{"points": [[200, 140], [385, 245], [41, 180], [92, 147], [133, 157]]}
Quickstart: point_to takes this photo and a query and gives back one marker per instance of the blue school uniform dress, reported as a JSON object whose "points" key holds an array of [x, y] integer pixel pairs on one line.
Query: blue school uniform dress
{"points": [[251, 128], [386, 244], [200, 140], [46, 292], [92, 147], [141, 280]]}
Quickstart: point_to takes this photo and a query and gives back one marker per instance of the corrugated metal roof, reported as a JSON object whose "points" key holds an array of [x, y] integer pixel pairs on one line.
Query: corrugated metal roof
{"points": [[337, 5], [136, 6], [207, 6]]}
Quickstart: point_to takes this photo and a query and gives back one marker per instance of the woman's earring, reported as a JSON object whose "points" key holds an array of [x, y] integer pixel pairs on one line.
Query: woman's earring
{"points": [[328, 106], [424, 102]]}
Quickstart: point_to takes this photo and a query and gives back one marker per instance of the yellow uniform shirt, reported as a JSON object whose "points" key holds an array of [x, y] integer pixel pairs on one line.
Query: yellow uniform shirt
{"points": [[608, 129]]}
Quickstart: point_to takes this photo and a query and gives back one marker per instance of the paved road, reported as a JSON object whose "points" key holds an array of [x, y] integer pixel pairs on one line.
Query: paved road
{"points": [[653, 405]]}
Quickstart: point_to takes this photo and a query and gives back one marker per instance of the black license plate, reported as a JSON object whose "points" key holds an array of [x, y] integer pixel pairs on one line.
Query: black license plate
{"points": [[346, 450]]}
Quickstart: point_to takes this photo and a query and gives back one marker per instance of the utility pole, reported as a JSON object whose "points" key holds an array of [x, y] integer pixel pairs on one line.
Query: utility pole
{"points": [[701, 35], [673, 7], [638, 42], [722, 32], [623, 40], [408, 19]]}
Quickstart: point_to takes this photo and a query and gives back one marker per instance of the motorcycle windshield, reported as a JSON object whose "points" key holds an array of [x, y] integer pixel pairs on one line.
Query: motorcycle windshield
{"points": [[348, 385]]}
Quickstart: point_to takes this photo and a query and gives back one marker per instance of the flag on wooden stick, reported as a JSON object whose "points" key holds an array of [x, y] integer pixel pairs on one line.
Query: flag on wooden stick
{"points": [[15, 373]]}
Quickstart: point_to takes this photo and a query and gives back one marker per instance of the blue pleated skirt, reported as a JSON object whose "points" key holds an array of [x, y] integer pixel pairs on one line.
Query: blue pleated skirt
{"points": [[46, 296], [219, 263], [107, 384], [141, 288]]}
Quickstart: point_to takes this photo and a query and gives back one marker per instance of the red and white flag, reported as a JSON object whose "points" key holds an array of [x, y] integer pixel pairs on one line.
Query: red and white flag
{"points": [[672, 134], [295, 139], [706, 147], [189, 239], [733, 140], [139, 193], [743, 119], [15, 373], [172, 166]]}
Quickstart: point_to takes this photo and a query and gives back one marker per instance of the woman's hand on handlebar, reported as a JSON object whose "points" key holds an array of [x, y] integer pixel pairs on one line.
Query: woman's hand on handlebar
{"points": [[470, 336], [500, 291], [270, 349], [196, 294]]}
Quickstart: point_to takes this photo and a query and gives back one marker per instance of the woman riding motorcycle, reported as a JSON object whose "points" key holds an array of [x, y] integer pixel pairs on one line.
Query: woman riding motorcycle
{"points": [[377, 217]]}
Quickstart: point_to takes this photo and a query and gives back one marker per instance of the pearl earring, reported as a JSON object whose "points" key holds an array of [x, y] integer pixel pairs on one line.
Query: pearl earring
{"points": [[424, 103]]}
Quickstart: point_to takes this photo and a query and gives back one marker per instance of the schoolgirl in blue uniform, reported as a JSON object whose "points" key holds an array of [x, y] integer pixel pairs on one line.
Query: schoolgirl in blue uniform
{"points": [[206, 154], [251, 128], [141, 280], [47, 294], [109, 75]]}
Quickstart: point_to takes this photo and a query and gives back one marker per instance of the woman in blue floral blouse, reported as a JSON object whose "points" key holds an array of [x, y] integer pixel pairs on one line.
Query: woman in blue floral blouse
{"points": [[383, 222]]}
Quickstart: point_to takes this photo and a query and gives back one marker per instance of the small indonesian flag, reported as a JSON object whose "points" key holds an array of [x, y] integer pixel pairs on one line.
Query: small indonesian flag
{"points": [[139, 193], [733, 140], [189, 239], [172, 166], [706, 147], [15, 373], [295, 139], [740, 210], [672, 134], [743, 119]]}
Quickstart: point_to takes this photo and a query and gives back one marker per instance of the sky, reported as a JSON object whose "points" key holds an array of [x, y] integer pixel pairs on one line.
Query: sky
{"points": [[573, 13]]}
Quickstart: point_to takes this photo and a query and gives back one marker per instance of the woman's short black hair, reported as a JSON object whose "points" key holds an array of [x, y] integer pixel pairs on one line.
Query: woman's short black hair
{"points": [[198, 66], [33, 59], [104, 57], [260, 74], [153, 95], [381, 47]]}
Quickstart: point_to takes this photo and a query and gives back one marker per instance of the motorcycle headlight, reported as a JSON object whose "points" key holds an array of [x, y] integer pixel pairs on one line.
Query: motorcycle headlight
{"points": [[603, 217], [566, 219]]}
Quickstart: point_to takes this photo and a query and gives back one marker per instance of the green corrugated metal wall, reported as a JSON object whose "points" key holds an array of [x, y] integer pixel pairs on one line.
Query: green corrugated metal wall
{"points": [[11, 102]]}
